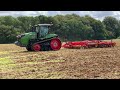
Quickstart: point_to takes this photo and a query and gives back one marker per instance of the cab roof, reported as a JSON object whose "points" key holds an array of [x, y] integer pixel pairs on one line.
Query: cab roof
{"points": [[44, 25]]}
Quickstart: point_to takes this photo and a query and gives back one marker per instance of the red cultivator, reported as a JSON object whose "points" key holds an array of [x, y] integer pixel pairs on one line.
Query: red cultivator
{"points": [[89, 44]]}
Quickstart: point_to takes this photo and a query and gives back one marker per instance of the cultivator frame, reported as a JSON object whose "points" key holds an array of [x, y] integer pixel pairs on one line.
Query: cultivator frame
{"points": [[89, 44]]}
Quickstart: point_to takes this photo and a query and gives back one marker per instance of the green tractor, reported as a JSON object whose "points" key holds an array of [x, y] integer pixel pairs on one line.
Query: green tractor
{"points": [[39, 39]]}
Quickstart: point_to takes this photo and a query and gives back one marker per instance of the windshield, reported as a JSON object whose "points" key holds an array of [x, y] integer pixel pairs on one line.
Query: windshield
{"points": [[43, 30]]}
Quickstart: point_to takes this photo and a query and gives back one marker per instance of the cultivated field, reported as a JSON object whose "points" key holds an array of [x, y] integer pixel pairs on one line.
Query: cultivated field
{"points": [[96, 63]]}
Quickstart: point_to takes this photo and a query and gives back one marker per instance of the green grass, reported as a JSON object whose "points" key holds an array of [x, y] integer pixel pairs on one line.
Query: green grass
{"points": [[6, 65], [14, 64], [5, 61]]}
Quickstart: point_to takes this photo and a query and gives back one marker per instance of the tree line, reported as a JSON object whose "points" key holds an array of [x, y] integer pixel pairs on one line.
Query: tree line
{"points": [[70, 27]]}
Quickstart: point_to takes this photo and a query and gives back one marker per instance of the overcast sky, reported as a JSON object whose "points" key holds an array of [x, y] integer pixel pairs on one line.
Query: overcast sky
{"points": [[96, 14]]}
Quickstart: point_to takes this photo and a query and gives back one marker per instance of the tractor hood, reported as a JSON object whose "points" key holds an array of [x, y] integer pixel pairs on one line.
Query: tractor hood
{"points": [[51, 36], [26, 35], [22, 40], [30, 34]]}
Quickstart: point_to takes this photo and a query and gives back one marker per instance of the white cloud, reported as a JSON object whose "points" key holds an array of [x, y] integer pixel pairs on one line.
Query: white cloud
{"points": [[42, 12], [23, 13], [96, 14]]}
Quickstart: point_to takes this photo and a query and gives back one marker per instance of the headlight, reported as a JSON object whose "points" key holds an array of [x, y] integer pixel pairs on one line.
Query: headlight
{"points": [[19, 36]]}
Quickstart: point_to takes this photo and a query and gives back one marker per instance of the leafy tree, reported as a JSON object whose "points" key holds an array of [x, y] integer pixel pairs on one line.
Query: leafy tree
{"points": [[112, 26], [70, 27]]}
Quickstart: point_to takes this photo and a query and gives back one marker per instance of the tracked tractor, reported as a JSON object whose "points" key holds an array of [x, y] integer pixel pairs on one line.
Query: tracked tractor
{"points": [[39, 39]]}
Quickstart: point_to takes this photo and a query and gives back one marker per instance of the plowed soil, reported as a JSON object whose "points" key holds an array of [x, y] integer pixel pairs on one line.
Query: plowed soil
{"points": [[95, 63]]}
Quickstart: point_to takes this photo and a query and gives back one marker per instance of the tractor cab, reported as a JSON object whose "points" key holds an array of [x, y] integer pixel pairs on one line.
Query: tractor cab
{"points": [[41, 29]]}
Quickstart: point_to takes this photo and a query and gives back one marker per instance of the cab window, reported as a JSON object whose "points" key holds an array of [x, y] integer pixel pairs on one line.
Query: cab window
{"points": [[43, 30]]}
